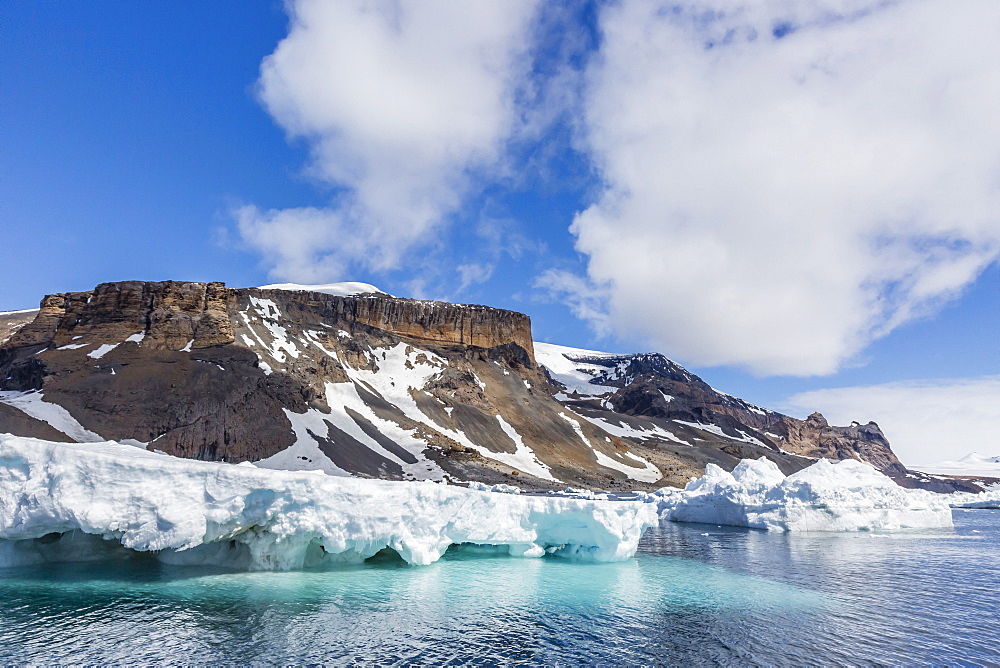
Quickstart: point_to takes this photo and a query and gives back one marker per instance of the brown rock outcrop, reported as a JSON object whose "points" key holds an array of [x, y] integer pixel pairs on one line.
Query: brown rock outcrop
{"points": [[12, 321], [815, 437], [426, 322], [170, 314], [174, 314]]}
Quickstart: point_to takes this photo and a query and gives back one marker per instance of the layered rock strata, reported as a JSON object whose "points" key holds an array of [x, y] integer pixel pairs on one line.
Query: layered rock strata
{"points": [[377, 386]]}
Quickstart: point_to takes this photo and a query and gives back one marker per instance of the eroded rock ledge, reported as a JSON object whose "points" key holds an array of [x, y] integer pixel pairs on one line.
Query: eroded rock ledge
{"points": [[173, 314]]}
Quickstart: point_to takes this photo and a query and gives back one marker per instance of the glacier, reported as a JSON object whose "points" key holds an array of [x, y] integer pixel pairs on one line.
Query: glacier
{"points": [[848, 495], [56, 497]]}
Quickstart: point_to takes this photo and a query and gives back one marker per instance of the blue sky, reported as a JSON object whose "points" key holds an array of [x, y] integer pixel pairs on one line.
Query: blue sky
{"points": [[799, 201]]}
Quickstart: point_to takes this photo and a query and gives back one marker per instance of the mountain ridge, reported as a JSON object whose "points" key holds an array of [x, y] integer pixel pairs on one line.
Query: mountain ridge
{"points": [[373, 385]]}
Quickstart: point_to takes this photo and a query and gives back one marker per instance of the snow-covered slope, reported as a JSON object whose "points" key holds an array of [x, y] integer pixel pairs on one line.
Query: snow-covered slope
{"points": [[346, 289], [648, 397], [827, 496], [571, 367], [240, 516]]}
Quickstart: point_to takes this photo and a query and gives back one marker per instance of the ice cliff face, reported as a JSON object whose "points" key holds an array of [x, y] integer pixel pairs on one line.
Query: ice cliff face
{"points": [[352, 381], [57, 501]]}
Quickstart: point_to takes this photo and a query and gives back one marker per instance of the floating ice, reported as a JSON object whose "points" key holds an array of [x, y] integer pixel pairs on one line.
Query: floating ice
{"points": [[245, 517], [828, 496], [988, 499]]}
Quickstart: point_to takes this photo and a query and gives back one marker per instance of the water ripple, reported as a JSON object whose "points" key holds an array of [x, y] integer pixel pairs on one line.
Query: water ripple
{"points": [[695, 595]]}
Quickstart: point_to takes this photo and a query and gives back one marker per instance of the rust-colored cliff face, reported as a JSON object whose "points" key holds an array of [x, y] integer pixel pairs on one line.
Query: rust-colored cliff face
{"points": [[173, 315], [170, 314], [425, 322]]}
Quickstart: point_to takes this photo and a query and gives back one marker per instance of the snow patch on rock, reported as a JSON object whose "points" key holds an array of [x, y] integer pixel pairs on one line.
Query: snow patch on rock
{"points": [[643, 471], [102, 350], [345, 289], [575, 376], [57, 417], [625, 430]]}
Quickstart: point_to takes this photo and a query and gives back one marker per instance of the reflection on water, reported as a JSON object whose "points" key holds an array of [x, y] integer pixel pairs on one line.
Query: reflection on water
{"points": [[695, 594]]}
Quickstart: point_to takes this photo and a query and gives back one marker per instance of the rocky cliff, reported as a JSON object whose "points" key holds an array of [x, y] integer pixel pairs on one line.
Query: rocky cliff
{"points": [[372, 385], [201, 370], [172, 313], [11, 322]]}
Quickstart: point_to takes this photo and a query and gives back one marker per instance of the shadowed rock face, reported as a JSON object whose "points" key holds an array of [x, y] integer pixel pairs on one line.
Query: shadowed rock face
{"points": [[380, 386], [12, 321]]}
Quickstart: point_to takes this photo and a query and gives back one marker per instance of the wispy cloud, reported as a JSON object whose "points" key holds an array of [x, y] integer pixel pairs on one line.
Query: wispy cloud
{"points": [[925, 421], [786, 182], [586, 301], [399, 103]]}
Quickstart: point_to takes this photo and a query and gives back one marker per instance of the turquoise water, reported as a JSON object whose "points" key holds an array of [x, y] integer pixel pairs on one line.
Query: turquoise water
{"points": [[695, 594]]}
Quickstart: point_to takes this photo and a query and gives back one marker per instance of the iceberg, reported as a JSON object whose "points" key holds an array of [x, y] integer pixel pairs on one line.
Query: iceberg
{"points": [[58, 501], [827, 496]]}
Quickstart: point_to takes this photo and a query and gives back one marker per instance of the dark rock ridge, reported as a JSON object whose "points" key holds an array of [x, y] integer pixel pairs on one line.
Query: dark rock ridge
{"points": [[648, 392], [377, 386]]}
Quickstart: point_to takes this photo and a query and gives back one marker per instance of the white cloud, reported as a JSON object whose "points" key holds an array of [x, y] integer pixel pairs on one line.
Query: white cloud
{"points": [[473, 273], [584, 300], [399, 103], [780, 203], [925, 421]]}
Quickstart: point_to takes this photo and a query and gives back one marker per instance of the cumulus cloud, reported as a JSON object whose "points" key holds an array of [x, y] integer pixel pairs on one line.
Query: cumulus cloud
{"points": [[787, 181], [399, 103], [925, 421]]}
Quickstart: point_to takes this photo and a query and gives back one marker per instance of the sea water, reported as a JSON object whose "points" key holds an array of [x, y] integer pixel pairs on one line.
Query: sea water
{"points": [[694, 594]]}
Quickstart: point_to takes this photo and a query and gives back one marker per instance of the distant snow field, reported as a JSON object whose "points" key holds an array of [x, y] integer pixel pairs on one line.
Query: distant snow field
{"points": [[346, 289], [973, 464]]}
